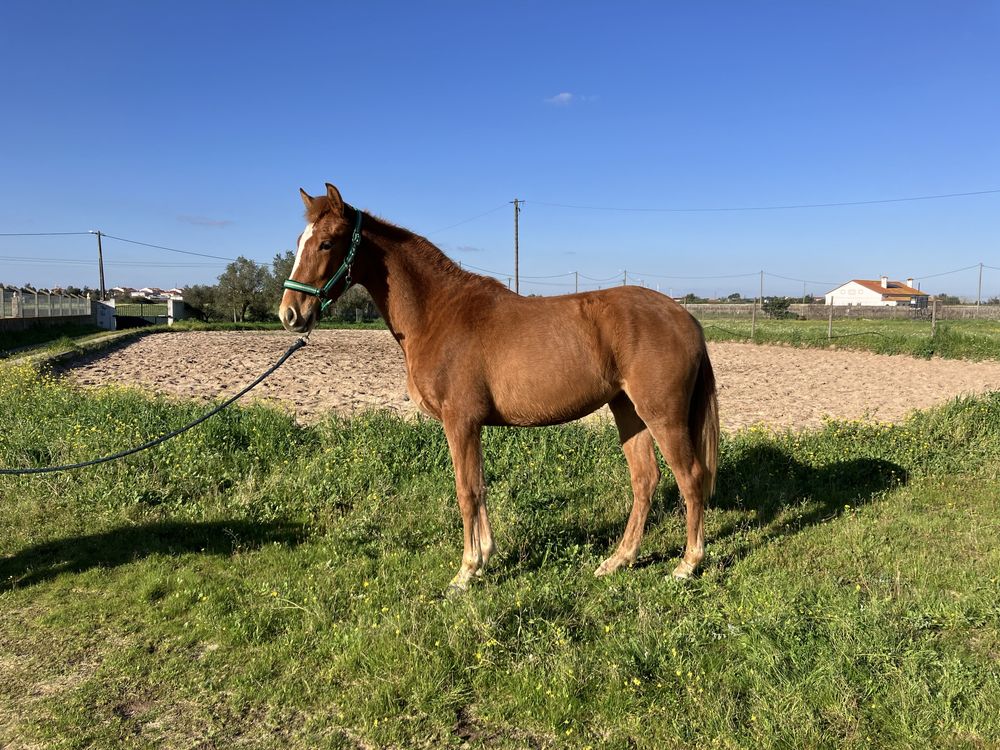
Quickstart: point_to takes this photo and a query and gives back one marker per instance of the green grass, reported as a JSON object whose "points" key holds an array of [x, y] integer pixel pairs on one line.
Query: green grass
{"points": [[960, 339], [258, 584], [39, 335], [954, 339]]}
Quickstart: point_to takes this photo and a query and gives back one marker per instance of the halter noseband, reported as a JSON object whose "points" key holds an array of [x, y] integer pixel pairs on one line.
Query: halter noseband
{"points": [[342, 272]]}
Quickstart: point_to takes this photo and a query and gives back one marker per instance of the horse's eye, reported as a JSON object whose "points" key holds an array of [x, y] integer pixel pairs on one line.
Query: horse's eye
{"points": [[326, 245]]}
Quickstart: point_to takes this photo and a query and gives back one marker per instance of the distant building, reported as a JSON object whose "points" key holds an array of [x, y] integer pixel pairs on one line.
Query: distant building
{"points": [[148, 292], [881, 292]]}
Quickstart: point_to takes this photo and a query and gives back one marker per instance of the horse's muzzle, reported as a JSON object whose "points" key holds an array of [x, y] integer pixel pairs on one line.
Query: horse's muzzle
{"points": [[295, 321]]}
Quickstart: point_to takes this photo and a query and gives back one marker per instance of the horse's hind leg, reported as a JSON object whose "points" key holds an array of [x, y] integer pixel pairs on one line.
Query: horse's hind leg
{"points": [[637, 444], [675, 442]]}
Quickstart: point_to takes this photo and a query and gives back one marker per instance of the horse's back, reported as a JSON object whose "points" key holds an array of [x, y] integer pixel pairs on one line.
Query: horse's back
{"points": [[551, 359]]}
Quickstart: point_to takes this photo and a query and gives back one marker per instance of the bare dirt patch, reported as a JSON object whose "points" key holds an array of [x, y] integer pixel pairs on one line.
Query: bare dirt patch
{"points": [[349, 371]]}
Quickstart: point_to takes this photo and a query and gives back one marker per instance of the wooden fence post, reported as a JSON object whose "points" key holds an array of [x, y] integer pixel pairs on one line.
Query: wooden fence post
{"points": [[829, 325]]}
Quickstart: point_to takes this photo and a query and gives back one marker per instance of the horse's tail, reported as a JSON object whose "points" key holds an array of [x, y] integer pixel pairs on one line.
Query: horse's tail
{"points": [[703, 423]]}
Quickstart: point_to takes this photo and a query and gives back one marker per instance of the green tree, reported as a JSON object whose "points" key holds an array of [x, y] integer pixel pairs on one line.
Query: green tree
{"points": [[202, 301], [281, 269], [242, 289], [356, 303], [777, 307]]}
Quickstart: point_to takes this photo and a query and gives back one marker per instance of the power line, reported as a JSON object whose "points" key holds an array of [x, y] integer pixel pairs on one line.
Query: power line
{"points": [[552, 276], [699, 278], [769, 208], [466, 221], [168, 249], [486, 270], [79, 262], [801, 281], [40, 234], [609, 278], [947, 273]]}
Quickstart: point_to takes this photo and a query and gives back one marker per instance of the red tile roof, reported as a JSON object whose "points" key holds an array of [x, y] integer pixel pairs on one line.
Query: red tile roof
{"points": [[895, 290]]}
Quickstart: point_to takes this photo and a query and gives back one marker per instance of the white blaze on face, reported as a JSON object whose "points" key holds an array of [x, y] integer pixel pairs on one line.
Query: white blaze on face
{"points": [[306, 234]]}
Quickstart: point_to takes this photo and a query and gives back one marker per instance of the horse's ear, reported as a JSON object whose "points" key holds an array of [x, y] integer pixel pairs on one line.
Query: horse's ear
{"points": [[336, 202], [306, 198]]}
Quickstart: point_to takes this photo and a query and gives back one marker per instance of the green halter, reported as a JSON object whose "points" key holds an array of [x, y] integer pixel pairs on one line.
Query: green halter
{"points": [[344, 270]]}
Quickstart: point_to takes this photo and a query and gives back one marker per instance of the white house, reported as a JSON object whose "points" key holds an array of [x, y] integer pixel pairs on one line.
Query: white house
{"points": [[882, 292]]}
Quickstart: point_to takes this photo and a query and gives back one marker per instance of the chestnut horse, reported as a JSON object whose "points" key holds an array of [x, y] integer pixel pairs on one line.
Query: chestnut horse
{"points": [[478, 354]]}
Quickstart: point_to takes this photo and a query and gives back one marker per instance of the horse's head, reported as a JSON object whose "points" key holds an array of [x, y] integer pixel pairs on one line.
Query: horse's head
{"points": [[321, 272]]}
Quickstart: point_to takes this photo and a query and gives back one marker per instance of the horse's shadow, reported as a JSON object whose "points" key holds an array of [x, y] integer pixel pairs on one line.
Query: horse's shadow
{"points": [[784, 496], [774, 495], [126, 544]]}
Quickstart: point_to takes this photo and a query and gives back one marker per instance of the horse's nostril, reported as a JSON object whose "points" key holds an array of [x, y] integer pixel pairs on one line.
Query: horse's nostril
{"points": [[289, 316]]}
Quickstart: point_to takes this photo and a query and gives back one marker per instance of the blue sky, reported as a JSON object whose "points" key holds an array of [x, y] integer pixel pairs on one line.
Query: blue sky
{"points": [[192, 126]]}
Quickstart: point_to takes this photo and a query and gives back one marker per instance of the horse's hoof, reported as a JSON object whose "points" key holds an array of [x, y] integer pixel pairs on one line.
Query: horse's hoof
{"points": [[607, 567], [683, 571]]}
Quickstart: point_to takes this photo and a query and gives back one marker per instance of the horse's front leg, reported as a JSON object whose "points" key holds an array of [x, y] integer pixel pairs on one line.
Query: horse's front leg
{"points": [[464, 441]]}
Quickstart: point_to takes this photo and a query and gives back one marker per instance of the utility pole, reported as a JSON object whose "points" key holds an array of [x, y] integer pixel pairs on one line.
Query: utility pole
{"points": [[576, 282], [517, 281], [100, 261], [979, 292], [753, 312], [625, 277]]}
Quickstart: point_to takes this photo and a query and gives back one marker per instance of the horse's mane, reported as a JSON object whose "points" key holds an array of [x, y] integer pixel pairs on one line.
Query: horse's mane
{"points": [[427, 253]]}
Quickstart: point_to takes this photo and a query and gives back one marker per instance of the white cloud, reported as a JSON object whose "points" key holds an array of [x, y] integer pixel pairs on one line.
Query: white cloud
{"points": [[561, 99], [565, 98]]}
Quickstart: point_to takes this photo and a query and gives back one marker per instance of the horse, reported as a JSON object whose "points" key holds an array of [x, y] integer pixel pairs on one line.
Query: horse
{"points": [[479, 354]]}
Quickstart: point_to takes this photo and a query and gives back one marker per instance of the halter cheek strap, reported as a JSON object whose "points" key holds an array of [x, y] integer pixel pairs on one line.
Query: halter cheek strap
{"points": [[344, 272]]}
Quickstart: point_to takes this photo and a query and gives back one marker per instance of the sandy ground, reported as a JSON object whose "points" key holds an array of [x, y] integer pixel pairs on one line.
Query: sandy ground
{"points": [[348, 371]]}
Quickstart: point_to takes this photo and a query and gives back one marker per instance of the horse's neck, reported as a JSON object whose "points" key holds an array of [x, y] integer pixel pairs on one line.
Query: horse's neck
{"points": [[408, 278]]}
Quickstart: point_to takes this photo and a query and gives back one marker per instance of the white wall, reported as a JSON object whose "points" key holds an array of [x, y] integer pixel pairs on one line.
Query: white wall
{"points": [[855, 294]]}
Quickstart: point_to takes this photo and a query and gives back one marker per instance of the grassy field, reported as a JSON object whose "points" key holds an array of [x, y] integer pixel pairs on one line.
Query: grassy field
{"points": [[258, 584], [960, 339], [44, 335], [954, 339]]}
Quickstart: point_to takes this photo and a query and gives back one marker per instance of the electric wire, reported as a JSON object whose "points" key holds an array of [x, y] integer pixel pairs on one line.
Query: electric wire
{"points": [[466, 221], [162, 247], [767, 208], [41, 234]]}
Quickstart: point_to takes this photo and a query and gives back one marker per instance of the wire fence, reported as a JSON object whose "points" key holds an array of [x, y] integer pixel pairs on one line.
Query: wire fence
{"points": [[719, 286]]}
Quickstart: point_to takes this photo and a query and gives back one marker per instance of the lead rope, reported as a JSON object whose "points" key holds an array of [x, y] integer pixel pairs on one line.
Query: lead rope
{"points": [[174, 433]]}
